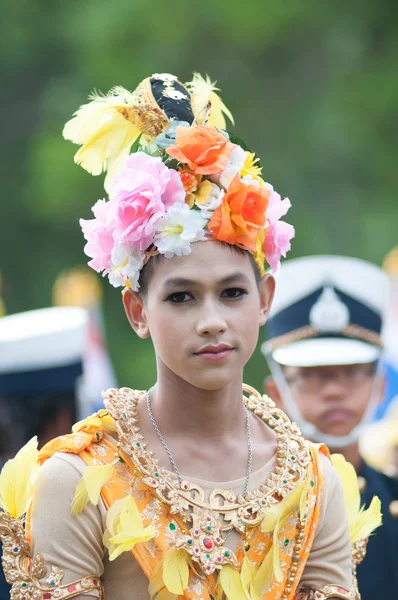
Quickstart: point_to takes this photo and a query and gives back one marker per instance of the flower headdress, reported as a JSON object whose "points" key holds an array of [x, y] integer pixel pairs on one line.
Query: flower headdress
{"points": [[174, 177]]}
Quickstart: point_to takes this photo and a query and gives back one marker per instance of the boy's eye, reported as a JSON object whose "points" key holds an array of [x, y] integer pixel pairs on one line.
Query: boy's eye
{"points": [[179, 297], [234, 293]]}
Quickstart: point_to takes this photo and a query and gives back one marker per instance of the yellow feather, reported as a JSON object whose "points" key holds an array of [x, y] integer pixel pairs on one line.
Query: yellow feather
{"points": [[90, 485], [203, 91], [275, 520], [125, 528], [28, 453], [156, 586], [17, 480], [367, 521], [282, 509], [89, 117], [80, 498], [263, 577], [175, 570], [104, 133], [247, 575], [349, 482], [231, 584]]}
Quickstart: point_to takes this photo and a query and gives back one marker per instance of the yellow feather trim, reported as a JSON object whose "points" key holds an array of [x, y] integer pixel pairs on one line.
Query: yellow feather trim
{"points": [[367, 521], [274, 521], [362, 522], [104, 130], [17, 480], [175, 570], [349, 482], [156, 585], [204, 91], [247, 574], [231, 584], [90, 485], [125, 528]]}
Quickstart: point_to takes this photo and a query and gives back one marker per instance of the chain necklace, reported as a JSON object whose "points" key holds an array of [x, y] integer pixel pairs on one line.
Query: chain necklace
{"points": [[172, 461]]}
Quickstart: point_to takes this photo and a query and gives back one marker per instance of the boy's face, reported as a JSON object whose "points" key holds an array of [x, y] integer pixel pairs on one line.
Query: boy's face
{"points": [[333, 398], [203, 313]]}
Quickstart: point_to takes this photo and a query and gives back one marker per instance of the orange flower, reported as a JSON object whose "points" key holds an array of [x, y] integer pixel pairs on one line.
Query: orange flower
{"points": [[241, 215], [202, 148]]}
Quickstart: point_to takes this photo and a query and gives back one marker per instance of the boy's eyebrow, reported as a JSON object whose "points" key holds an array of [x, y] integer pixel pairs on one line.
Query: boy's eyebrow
{"points": [[181, 281]]}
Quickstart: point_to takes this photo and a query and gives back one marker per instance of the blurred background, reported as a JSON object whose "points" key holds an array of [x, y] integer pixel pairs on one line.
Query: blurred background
{"points": [[313, 88]]}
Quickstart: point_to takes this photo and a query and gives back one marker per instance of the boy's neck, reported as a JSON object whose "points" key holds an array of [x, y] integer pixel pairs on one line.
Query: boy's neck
{"points": [[203, 414]]}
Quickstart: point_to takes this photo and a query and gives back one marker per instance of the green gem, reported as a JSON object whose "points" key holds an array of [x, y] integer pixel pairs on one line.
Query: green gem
{"points": [[138, 444], [312, 483], [124, 415], [121, 459], [262, 501], [247, 547], [285, 481], [172, 527], [190, 542], [293, 458], [156, 474], [286, 542], [209, 528], [262, 403], [227, 553], [24, 585], [207, 555], [286, 426]]}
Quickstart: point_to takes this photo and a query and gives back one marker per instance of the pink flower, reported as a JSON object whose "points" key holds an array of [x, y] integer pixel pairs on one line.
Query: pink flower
{"points": [[279, 233], [277, 243], [140, 195], [277, 207], [98, 233]]}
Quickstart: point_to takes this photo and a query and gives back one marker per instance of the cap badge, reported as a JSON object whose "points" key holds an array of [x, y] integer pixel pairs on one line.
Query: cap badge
{"points": [[329, 314]]}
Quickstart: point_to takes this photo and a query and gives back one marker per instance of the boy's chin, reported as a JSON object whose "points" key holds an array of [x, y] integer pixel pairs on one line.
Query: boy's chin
{"points": [[210, 382]]}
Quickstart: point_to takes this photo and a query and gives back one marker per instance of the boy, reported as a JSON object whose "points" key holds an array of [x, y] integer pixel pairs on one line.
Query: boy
{"points": [[189, 486]]}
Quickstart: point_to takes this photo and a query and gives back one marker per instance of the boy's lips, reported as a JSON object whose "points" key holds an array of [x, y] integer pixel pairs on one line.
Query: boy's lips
{"points": [[337, 415], [217, 352]]}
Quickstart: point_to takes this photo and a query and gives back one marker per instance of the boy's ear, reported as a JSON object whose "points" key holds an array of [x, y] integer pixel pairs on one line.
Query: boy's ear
{"points": [[134, 307], [267, 291]]}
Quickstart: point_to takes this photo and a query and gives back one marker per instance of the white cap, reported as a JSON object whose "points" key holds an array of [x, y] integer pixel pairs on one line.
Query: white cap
{"points": [[42, 339], [327, 294]]}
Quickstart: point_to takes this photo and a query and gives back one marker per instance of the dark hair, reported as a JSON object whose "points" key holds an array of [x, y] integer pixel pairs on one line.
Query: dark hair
{"points": [[147, 270]]}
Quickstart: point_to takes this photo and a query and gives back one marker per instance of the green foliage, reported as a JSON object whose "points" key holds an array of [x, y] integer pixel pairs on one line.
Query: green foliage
{"points": [[312, 87]]}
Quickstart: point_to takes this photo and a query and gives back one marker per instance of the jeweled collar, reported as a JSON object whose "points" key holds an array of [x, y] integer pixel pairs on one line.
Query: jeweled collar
{"points": [[236, 511]]}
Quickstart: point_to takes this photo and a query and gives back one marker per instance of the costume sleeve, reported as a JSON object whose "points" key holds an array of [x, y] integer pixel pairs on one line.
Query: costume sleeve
{"points": [[73, 544], [329, 562]]}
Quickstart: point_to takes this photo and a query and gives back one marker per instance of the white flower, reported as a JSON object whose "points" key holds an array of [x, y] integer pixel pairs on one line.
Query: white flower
{"points": [[234, 165], [126, 265], [214, 200], [249, 180], [179, 227]]}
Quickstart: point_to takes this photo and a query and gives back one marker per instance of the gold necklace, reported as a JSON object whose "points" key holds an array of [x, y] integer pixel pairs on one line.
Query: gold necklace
{"points": [[210, 520]]}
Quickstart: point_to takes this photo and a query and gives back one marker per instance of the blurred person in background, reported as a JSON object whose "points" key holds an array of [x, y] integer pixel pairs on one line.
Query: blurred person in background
{"points": [[79, 286], [186, 233], [323, 348], [41, 364]]}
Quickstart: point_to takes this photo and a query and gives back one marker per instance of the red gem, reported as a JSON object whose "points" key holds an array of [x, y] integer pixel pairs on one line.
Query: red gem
{"points": [[46, 596], [72, 588], [208, 543]]}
